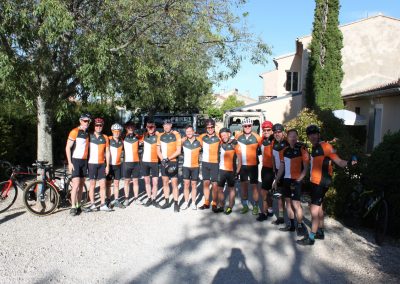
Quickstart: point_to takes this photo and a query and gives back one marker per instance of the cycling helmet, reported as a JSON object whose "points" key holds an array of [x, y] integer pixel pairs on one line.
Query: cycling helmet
{"points": [[116, 127], [278, 127], [167, 121], [225, 130], [247, 121], [311, 129], [267, 124], [85, 116], [210, 121], [99, 120]]}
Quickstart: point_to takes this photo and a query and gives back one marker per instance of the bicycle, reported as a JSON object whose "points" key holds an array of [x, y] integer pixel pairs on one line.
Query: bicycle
{"points": [[361, 205], [17, 180], [49, 192]]}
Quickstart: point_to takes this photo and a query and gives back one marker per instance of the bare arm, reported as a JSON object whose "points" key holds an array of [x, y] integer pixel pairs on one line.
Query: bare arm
{"points": [[280, 171], [68, 147], [159, 154], [303, 172]]}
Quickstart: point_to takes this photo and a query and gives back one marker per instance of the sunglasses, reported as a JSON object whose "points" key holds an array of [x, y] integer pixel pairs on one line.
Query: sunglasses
{"points": [[85, 120], [210, 127], [151, 127], [247, 126], [267, 129], [278, 131], [98, 125]]}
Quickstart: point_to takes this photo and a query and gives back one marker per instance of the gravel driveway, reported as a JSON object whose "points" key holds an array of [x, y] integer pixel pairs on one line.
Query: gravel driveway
{"points": [[149, 245]]}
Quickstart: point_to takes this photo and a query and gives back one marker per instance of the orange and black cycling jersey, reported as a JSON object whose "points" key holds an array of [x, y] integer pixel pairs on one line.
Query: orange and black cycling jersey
{"points": [[81, 143], [131, 148], [293, 159], [150, 148], [191, 153], [116, 148], [210, 146], [266, 151], [227, 155], [249, 148], [169, 143], [321, 163], [97, 149], [277, 148]]}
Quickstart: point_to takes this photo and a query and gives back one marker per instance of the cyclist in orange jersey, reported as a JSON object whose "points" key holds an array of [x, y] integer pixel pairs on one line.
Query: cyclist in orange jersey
{"points": [[115, 173], [267, 171], [99, 165], [190, 170], [76, 151], [294, 163], [168, 149], [209, 166], [229, 153], [322, 155], [150, 163], [131, 163], [278, 144], [249, 146]]}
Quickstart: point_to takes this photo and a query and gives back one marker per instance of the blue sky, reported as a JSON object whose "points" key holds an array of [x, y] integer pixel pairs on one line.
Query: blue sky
{"points": [[279, 23]]}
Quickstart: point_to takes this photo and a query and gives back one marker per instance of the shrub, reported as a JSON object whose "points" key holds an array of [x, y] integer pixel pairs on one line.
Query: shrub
{"points": [[382, 172]]}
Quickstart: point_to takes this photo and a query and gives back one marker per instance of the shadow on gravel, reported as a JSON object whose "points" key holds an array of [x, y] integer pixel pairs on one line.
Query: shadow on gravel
{"points": [[11, 216]]}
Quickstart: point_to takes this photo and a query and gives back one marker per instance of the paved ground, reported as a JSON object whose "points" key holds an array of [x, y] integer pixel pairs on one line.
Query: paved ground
{"points": [[148, 245]]}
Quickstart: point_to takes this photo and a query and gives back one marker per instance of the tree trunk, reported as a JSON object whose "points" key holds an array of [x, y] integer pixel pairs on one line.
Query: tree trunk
{"points": [[44, 126]]}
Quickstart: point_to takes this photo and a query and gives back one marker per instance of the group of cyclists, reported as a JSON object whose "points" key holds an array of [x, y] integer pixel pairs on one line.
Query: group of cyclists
{"points": [[285, 163]]}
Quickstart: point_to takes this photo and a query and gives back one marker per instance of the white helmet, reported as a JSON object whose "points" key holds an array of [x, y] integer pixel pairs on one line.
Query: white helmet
{"points": [[247, 121], [116, 126]]}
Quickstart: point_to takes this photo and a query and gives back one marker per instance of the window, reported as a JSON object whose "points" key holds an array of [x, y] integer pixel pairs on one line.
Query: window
{"points": [[292, 81], [357, 110]]}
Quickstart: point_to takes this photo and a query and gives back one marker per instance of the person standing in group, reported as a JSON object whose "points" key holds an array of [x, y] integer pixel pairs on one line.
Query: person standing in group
{"points": [[322, 155], [267, 171], [131, 163], [190, 170], [168, 149], [294, 163], [249, 145], [229, 154], [279, 143], [209, 166], [99, 164], [115, 173], [76, 151], [150, 163]]}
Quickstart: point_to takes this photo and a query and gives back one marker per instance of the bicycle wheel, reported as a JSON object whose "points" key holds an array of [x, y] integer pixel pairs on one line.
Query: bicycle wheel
{"points": [[381, 222], [40, 204], [85, 192], [8, 195]]}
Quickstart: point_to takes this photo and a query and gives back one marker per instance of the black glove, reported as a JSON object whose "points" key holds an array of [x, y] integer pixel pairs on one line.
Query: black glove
{"points": [[165, 162]]}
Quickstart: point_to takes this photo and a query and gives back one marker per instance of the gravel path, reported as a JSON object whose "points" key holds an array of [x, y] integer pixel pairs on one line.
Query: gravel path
{"points": [[148, 245]]}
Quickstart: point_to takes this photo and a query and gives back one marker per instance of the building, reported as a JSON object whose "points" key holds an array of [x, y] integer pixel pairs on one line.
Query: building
{"points": [[371, 60], [222, 96]]}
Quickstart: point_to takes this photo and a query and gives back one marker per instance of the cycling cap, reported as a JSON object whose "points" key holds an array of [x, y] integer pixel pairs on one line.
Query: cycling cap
{"points": [[116, 126], [167, 121], [311, 129], [99, 120], [225, 130], [247, 121], [278, 127], [267, 124]]}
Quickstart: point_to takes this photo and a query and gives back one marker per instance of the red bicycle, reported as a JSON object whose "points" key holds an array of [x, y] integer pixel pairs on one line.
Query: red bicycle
{"points": [[18, 178]]}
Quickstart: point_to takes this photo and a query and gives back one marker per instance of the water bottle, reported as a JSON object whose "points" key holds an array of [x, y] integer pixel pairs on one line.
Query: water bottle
{"points": [[62, 183]]}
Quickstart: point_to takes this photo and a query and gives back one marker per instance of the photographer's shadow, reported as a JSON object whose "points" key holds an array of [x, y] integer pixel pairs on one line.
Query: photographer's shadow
{"points": [[237, 270]]}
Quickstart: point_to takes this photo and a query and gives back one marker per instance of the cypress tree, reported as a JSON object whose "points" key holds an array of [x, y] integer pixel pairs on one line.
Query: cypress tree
{"points": [[325, 72]]}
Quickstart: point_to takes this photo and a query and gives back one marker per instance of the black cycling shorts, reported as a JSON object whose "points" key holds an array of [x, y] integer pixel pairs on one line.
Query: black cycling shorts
{"points": [[80, 168], [190, 173], [165, 172], [131, 170], [115, 172], [97, 171], [209, 171], [227, 177], [150, 168], [249, 172], [318, 194], [291, 189], [267, 178]]}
